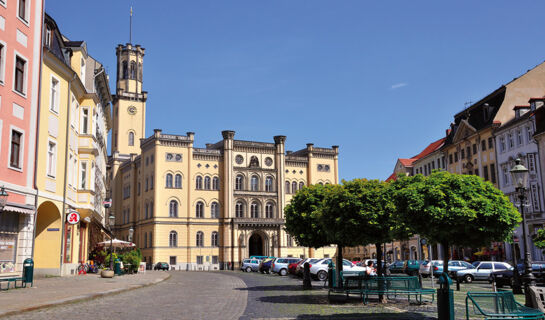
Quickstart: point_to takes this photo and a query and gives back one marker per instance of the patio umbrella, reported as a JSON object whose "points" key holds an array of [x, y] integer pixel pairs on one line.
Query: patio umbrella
{"points": [[116, 243]]}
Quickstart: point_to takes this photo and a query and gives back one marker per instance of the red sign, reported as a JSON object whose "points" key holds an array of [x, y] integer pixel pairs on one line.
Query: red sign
{"points": [[73, 217]]}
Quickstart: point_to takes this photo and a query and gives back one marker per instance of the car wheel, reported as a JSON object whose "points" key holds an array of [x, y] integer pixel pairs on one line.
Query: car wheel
{"points": [[468, 278], [283, 272], [322, 275], [248, 269]]}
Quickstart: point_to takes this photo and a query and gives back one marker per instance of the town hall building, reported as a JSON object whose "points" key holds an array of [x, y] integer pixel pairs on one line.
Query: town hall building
{"points": [[203, 208]]}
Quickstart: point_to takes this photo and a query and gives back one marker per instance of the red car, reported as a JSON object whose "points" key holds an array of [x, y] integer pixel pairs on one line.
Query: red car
{"points": [[292, 267]]}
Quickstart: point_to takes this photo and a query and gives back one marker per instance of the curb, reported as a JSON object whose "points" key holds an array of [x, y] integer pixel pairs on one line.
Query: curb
{"points": [[80, 298]]}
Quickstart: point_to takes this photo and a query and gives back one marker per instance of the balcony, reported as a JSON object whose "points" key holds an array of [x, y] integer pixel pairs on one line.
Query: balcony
{"points": [[258, 222]]}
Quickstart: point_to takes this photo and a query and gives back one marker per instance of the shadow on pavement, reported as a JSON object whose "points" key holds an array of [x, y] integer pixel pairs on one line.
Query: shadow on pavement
{"points": [[299, 299], [273, 288], [370, 316]]}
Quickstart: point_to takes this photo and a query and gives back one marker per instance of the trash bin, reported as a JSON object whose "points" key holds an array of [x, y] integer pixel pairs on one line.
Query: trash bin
{"points": [[28, 272], [117, 267], [445, 298]]}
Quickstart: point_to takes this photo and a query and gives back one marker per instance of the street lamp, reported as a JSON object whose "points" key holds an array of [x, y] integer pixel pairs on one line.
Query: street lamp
{"points": [[111, 221], [519, 175], [3, 198], [131, 232]]}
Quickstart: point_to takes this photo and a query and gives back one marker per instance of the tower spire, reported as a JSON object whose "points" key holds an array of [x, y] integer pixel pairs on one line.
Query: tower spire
{"points": [[130, 27]]}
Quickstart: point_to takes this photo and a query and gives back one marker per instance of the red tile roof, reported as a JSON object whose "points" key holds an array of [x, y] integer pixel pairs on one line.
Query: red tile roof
{"points": [[407, 162], [430, 148], [392, 177]]}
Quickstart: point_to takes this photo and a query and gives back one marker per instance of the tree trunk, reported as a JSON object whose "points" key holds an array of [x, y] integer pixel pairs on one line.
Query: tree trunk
{"points": [[339, 266], [445, 256], [380, 269]]}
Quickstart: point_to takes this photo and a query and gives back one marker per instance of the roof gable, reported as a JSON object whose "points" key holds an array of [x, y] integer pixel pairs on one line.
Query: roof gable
{"points": [[464, 130]]}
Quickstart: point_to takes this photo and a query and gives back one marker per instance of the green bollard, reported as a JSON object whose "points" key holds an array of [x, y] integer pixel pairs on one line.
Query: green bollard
{"points": [[445, 298]]}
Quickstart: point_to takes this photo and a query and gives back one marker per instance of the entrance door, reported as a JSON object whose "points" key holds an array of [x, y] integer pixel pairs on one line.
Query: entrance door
{"points": [[256, 245]]}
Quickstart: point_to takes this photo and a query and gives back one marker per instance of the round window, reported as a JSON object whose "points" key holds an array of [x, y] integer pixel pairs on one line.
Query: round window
{"points": [[239, 159], [268, 161]]}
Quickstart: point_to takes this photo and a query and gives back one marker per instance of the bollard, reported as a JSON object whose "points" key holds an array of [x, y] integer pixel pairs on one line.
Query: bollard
{"points": [[493, 283], [306, 277], [457, 283], [445, 298]]}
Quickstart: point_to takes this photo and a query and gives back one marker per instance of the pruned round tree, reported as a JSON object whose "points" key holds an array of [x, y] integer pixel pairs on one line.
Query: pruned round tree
{"points": [[453, 209]]}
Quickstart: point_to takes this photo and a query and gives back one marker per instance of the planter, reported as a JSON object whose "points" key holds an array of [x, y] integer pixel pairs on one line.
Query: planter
{"points": [[107, 274]]}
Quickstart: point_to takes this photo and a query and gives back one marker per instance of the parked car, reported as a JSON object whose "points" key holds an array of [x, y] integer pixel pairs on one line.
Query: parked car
{"points": [[397, 267], [300, 267], [250, 265], [453, 267], [161, 266], [320, 268], [482, 271], [261, 257], [505, 277], [292, 266], [412, 267], [426, 267], [280, 265], [265, 265]]}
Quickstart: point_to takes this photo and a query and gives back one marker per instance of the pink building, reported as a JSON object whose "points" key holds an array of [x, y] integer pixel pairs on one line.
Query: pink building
{"points": [[20, 53]]}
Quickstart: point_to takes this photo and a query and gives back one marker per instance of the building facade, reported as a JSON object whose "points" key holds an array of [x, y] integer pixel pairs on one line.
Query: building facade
{"points": [[20, 36], [515, 140], [203, 208], [74, 120]]}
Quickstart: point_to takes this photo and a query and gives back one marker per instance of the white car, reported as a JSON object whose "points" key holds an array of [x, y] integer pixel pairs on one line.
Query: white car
{"points": [[319, 268], [483, 270], [425, 268]]}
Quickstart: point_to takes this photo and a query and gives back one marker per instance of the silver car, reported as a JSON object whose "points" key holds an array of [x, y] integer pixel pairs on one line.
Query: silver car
{"points": [[250, 265], [280, 265], [483, 270]]}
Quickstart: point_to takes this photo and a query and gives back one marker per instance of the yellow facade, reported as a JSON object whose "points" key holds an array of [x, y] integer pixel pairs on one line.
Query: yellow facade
{"points": [[74, 118]]}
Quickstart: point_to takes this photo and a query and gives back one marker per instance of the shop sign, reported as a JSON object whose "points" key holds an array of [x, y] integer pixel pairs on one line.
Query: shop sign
{"points": [[72, 217]]}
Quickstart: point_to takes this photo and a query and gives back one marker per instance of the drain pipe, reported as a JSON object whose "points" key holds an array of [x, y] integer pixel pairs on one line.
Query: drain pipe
{"points": [[66, 164], [35, 183]]}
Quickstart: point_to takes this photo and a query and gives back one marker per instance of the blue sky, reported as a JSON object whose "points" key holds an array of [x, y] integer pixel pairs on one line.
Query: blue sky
{"points": [[381, 79]]}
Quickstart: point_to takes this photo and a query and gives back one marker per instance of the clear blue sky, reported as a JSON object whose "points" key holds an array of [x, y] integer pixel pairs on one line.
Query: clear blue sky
{"points": [[382, 79]]}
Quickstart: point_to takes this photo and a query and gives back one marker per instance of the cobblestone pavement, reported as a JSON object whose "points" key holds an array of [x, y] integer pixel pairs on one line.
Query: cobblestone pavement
{"points": [[276, 297], [54, 290], [185, 295]]}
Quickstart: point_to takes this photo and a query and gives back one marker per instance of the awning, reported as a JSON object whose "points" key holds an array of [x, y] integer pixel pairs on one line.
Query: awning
{"points": [[19, 209]]}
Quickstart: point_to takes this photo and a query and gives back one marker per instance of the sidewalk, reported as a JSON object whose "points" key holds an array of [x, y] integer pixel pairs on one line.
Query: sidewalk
{"points": [[60, 290]]}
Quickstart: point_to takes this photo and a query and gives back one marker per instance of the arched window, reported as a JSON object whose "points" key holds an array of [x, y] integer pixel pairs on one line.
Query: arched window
{"points": [[239, 209], [255, 183], [169, 180], [173, 239], [287, 187], [131, 138], [301, 185], [215, 239], [294, 187], [269, 210], [200, 239], [178, 181], [151, 209], [140, 71], [215, 210], [254, 209], [125, 69], [254, 162], [145, 239], [198, 183], [199, 210], [207, 183], [239, 182], [321, 183], [173, 209], [133, 70], [216, 183], [269, 184]]}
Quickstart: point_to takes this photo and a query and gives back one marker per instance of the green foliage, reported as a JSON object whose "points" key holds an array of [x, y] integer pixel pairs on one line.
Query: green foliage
{"points": [[539, 239], [301, 216], [107, 258], [133, 257], [454, 209]]}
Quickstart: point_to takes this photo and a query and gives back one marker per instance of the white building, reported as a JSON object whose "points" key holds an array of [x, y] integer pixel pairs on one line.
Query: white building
{"points": [[514, 139]]}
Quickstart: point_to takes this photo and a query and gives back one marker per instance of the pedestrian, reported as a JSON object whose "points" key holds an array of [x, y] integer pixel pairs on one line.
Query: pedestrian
{"points": [[370, 270]]}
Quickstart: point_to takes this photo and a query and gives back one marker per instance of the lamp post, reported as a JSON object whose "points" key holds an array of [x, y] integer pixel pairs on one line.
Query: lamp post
{"points": [[111, 221], [3, 198], [519, 176]]}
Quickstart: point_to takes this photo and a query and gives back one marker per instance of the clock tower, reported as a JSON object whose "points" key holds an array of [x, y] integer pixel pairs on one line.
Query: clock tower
{"points": [[129, 101]]}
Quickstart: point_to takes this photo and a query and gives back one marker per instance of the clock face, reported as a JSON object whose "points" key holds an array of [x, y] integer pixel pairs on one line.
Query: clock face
{"points": [[131, 110]]}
